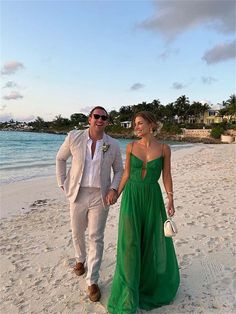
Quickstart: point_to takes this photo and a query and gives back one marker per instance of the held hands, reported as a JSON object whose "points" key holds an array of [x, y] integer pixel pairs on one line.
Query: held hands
{"points": [[111, 197]]}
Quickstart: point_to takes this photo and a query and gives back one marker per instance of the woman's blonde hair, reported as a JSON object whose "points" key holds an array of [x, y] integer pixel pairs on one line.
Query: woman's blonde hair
{"points": [[147, 116]]}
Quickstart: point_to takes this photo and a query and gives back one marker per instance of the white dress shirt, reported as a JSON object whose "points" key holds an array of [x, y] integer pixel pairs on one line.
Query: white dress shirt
{"points": [[91, 173]]}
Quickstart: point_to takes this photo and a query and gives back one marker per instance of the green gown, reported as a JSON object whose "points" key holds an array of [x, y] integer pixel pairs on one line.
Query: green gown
{"points": [[147, 273]]}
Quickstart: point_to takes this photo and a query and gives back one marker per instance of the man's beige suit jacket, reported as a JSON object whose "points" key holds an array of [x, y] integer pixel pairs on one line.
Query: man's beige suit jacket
{"points": [[75, 146]]}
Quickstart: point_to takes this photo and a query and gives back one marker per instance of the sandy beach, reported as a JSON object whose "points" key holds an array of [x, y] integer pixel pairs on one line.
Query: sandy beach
{"points": [[37, 253]]}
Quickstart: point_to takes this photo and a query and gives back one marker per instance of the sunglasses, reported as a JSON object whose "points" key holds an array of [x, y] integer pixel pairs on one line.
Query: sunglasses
{"points": [[98, 116]]}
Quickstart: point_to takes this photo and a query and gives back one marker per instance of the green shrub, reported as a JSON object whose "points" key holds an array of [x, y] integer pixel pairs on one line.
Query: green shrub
{"points": [[171, 128], [232, 126], [194, 126], [223, 125], [116, 128], [217, 131]]}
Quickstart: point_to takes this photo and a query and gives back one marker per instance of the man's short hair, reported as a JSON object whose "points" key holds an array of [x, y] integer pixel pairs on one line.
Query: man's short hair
{"points": [[98, 107]]}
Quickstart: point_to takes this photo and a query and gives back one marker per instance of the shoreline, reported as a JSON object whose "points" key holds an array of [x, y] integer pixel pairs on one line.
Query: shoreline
{"points": [[34, 170], [161, 137], [37, 253]]}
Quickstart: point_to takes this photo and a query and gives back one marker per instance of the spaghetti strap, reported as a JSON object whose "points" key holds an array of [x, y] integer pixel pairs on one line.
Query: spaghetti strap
{"points": [[132, 144]]}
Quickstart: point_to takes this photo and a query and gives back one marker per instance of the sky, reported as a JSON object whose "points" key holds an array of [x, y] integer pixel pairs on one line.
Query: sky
{"points": [[65, 57]]}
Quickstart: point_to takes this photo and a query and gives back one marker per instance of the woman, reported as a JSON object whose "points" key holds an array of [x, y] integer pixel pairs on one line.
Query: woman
{"points": [[147, 274]]}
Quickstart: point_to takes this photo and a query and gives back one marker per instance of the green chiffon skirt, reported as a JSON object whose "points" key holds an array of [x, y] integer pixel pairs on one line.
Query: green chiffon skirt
{"points": [[147, 273]]}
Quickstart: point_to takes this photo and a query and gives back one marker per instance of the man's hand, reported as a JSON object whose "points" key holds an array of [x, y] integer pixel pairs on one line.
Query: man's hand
{"points": [[111, 197]]}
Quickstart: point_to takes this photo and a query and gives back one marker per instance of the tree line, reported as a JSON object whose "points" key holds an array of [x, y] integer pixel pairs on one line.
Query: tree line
{"points": [[180, 111]]}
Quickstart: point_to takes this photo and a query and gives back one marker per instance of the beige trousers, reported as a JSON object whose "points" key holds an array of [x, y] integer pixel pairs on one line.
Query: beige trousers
{"points": [[88, 212]]}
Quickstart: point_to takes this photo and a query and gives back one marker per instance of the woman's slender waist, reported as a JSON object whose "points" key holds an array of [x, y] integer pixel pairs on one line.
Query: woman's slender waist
{"points": [[142, 182]]}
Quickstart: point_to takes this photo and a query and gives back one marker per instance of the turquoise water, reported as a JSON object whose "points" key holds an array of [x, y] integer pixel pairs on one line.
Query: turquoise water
{"points": [[26, 155]]}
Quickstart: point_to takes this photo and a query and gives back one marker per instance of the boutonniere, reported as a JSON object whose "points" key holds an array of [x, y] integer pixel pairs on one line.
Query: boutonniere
{"points": [[105, 147]]}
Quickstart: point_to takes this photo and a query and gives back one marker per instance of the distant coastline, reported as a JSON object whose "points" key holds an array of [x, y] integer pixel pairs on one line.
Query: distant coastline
{"points": [[162, 136], [35, 131], [178, 121]]}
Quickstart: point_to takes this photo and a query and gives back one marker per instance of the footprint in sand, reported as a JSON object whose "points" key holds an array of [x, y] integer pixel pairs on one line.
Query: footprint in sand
{"points": [[38, 203], [110, 247]]}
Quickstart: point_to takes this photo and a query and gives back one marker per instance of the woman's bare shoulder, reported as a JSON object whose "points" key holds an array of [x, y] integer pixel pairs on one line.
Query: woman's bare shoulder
{"points": [[166, 149]]}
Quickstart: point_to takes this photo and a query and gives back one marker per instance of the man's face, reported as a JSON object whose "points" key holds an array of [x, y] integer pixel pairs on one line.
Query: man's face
{"points": [[97, 120]]}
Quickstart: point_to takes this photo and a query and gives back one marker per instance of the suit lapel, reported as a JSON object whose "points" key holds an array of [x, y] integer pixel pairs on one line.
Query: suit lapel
{"points": [[83, 144], [105, 141]]}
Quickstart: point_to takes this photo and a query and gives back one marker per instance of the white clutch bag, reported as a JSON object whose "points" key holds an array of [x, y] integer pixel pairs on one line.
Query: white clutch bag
{"points": [[170, 229]]}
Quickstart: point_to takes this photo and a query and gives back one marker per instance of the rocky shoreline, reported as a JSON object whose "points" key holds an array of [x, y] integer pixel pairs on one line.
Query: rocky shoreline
{"points": [[171, 137]]}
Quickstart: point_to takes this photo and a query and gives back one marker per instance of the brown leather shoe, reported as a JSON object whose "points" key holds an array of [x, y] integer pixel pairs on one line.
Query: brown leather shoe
{"points": [[94, 293], [79, 269]]}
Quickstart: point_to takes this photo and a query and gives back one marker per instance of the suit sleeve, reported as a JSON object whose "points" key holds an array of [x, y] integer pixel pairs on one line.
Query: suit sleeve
{"points": [[117, 167], [63, 154]]}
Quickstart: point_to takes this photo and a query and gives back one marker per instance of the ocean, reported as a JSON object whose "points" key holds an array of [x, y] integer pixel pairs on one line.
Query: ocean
{"points": [[27, 155]]}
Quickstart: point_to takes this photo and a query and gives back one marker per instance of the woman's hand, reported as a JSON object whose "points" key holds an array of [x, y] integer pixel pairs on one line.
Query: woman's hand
{"points": [[170, 207]]}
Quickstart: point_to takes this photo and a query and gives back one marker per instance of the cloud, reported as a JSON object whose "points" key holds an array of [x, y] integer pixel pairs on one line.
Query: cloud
{"points": [[137, 86], [25, 118], [208, 79], [6, 117], [205, 101], [220, 52], [11, 67], [13, 96], [177, 85], [87, 109], [10, 84], [3, 107], [171, 18]]}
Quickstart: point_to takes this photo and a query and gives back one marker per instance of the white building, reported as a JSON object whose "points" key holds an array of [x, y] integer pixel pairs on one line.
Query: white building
{"points": [[126, 124]]}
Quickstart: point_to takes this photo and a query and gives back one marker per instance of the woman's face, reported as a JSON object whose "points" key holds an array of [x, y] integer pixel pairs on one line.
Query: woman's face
{"points": [[141, 126]]}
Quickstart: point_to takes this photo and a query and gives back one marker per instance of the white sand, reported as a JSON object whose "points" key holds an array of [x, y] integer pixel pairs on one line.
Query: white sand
{"points": [[37, 252], [19, 197]]}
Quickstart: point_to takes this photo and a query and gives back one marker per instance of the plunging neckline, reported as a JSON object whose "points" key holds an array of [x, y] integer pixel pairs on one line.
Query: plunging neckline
{"points": [[144, 167], [147, 161]]}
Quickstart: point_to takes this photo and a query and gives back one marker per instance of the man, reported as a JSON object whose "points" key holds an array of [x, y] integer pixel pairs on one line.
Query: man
{"points": [[90, 191]]}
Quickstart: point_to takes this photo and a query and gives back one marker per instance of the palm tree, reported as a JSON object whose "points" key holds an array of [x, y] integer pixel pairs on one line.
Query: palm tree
{"points": [[169, 112], [39, 122], [114, 116], [126, 113], [197, 109], [77, 118], [156, 106], [223, 111], [141, 107], [60, 121], [231, 107], [182, 107]]}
